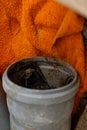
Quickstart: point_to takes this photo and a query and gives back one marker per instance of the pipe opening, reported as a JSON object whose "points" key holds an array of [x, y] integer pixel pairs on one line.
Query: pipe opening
{"points": [[39, 75]]}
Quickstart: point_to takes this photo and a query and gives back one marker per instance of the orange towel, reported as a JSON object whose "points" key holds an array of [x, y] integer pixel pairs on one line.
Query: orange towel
{"points": [[41, 28]]}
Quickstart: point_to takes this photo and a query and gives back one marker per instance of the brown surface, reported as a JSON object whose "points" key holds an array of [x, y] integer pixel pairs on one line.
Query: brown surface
{"points": [[85, 33], [82, 124], [2, 91], [76, 117]]}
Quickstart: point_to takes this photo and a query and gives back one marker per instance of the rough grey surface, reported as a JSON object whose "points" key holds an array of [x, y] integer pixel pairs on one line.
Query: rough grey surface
{"points": [[42, 110], [4, 115]]}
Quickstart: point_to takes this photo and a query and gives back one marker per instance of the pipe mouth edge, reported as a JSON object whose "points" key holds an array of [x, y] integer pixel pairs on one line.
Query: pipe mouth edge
{"points": [[27, 93]]}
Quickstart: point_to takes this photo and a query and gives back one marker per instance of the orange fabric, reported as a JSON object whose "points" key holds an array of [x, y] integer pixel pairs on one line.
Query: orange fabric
{"points": [[41, 28]]}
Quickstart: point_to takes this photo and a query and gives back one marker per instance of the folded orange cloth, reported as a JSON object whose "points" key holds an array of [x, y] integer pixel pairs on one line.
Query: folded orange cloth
{"points": [[41, 28]]}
